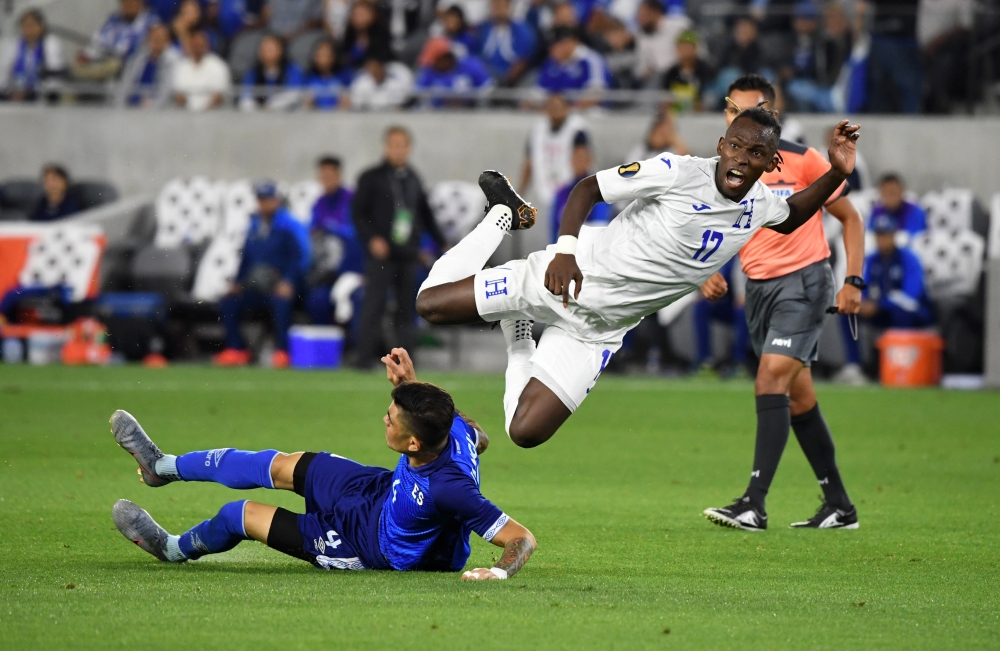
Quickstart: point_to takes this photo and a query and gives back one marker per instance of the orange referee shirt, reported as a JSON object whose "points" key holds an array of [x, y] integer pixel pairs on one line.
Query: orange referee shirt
{"points": [[770, 254]]}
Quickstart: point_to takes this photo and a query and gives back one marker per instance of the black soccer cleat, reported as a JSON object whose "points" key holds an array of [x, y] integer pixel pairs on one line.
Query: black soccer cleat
{"points": [[130, 435], [738, 515], [140, 527], [499, 192], [830, 517]]}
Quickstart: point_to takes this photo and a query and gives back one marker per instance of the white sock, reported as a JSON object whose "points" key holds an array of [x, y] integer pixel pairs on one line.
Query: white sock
{"points": [[520, 348], [469, 256], [173, 551], [166, 467]]}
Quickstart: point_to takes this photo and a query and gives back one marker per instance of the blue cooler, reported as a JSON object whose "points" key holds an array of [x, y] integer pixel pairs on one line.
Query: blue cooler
{"points": [[315, 346]]}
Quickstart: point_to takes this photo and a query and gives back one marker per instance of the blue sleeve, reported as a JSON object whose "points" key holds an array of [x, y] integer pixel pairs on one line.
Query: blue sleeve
{"points": [[524, 40], [876, 211], [916, 220], [457, 495], [290, 256], [478, 72], [867, 275], [913, 276]]}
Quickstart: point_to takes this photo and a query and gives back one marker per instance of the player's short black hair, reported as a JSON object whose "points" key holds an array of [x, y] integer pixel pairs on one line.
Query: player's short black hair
{"points": [[763, 117], [427, 411], [754, 82], [328, 161], [397, 128], [57, 169], [891, 177]]}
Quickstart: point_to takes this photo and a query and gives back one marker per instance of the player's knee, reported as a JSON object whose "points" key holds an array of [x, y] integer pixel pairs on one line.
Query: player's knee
{"points": [[426, 307], [524, 435]]}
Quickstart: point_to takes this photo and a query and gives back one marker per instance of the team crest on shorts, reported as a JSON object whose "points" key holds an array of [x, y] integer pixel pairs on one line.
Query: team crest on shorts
{"points": [[628, 171]]}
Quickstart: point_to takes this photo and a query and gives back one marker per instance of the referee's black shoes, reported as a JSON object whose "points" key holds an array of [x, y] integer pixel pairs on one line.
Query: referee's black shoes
{"points": [[738, 515], [830, 517], [499, 192]]}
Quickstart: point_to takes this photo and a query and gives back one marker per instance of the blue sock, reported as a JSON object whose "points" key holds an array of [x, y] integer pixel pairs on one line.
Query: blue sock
{"points": [[220, 534], [229, 467]]}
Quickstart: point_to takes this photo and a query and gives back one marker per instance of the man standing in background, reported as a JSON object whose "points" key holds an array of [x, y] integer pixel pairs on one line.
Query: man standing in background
{"points": [[391, 214]]}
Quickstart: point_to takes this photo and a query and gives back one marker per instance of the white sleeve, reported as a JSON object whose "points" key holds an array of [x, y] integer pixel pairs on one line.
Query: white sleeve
{"points": [[648, 178], [777, 209]]}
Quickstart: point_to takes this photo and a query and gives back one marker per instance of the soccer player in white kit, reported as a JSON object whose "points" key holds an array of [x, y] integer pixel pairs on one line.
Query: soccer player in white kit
{"points": [[687, 218]]}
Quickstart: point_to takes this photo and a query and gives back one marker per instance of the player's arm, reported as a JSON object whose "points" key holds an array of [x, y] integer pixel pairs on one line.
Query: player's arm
{"points": [[563, 269], [804, 204], [849, 296], [482, 440], [518, 546]]}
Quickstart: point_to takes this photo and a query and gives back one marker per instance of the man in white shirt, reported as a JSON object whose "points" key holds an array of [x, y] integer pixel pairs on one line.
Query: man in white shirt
{"points": [[687, 218], [656, 39], [202, 80], [383, 85]]}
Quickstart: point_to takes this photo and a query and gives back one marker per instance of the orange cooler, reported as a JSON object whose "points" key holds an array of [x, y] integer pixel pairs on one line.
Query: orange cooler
{"points": [[910, 358]]}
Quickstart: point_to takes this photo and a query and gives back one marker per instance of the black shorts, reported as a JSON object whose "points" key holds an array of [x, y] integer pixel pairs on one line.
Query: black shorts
{"points": [[785, 315]]}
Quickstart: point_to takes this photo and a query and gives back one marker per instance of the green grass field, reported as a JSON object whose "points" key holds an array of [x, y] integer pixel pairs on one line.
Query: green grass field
{"points": [[625, 559]]}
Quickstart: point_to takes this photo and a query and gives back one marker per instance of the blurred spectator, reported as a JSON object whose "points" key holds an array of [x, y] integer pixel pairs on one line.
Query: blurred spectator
{"points": [[582, 162], [365, 35], [572, 66], [661, 137], [229, 17], [908, 216], [116, 41], [391, 215], [147, 79], [809, 81], [742, 55], [548, 154], [894, 71], [189, 16], [895, 297], [275, 82], [164, 10], [944, 31], [729, 310], [59, 200], [690, 77], [456, 29], [444, 66], [335, 244], [272, 269], [201, 80], [382, 85], [335, 16], [26, 62], [326, 86], [289, 18], [655, 40], [506, 46]]}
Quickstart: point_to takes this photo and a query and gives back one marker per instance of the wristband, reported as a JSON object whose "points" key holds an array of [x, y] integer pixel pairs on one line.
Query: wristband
{"points": [[496, 571], [566, 244]]}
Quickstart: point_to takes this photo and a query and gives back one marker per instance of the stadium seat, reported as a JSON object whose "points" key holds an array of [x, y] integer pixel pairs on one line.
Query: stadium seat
{"points": [[218, 267], [300, 50], [953, 263], [457, 207], [64, 255], [949, 209], [94, 193], [301, 197], [18, 197], [238, 203], [243, 52], [162, 270], [187, 212]]}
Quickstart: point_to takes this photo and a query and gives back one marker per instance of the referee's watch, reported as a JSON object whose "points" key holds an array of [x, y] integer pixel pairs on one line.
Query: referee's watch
{"points": [[856, 281]]}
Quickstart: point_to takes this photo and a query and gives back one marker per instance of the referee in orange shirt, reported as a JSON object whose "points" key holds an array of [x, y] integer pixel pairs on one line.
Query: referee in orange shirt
{"points": [[790, 286]]}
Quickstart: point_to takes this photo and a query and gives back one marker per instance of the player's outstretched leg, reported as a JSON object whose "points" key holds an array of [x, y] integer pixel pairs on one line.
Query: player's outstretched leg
{"points": [[447, 296]]}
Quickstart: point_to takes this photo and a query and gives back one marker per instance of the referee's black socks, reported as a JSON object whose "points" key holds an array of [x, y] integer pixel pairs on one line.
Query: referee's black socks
{"points": [[773, 422], [814, 437]]}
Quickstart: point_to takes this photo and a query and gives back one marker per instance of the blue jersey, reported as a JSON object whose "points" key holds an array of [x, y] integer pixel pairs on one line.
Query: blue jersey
{"points": [[431, 510]]}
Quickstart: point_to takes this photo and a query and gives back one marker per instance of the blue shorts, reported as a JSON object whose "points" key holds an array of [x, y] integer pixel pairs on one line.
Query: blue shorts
{"points": [[343, 504]]}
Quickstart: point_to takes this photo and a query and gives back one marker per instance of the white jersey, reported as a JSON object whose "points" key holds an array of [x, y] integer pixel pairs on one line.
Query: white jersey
{"points": [[678, 231], [551, 153]]}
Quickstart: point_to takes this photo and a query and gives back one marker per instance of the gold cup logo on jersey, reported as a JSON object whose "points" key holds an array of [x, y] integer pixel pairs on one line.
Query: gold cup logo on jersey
{"points": [[628, 171]]}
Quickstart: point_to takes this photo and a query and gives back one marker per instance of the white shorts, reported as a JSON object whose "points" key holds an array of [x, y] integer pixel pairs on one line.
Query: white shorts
{"points": [[571, 353]]}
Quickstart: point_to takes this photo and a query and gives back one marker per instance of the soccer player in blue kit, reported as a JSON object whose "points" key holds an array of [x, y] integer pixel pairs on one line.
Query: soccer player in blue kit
{"points": [[416, 517]]}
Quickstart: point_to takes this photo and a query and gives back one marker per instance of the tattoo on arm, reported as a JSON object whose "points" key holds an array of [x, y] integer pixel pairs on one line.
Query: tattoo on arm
{"points": [[515, 554]]}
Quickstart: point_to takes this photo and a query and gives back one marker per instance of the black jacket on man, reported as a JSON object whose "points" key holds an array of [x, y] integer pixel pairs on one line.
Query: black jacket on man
{"points": [[380, 192]]}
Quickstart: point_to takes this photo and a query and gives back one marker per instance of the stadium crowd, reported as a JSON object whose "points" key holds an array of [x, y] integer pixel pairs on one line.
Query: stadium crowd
{"points": [[880, 56]]}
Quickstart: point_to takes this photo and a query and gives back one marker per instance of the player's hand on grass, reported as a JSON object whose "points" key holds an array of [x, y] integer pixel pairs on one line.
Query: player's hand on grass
{"points": [[561, 272], [849, 300], [399, 367], [715, 287], [479, 574], [843, 147]]}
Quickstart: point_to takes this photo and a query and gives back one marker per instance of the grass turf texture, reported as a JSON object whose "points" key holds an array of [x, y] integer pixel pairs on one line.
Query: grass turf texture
{"points": [[625, 560]]}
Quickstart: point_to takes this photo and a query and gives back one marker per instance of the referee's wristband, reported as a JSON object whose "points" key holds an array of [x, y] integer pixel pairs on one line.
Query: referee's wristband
{"points": [[566, 244], [496, 571]]}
